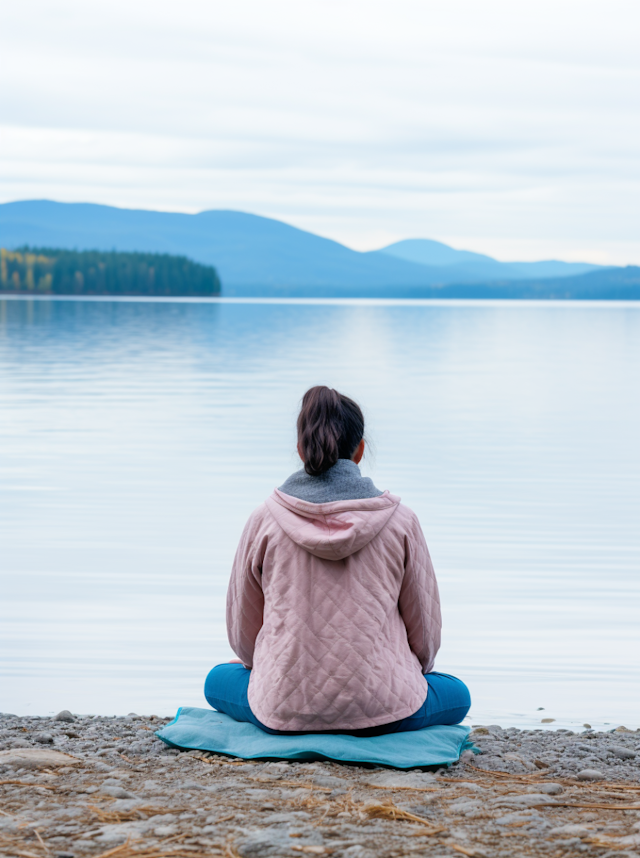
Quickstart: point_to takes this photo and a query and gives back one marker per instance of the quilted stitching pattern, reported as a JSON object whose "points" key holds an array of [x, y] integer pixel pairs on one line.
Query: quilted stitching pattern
{"points": [[335, 607]]}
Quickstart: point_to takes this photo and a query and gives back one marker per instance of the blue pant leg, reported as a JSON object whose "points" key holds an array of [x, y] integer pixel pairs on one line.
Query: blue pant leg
{"points": [[226, 689], [448, 699]]}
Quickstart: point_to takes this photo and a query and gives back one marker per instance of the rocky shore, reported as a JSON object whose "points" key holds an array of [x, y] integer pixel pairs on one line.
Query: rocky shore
{"points": [[83, 787]]}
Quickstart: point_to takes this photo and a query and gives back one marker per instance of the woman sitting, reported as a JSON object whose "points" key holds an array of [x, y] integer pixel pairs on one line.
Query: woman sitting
{"points": [[333, 605]]}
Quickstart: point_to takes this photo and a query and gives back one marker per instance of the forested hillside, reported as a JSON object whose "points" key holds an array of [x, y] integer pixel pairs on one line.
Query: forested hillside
{"points": [[45, 271]]}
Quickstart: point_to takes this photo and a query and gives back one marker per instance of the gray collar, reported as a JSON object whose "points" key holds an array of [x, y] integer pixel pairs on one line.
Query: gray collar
{"points": [[341, 482]]}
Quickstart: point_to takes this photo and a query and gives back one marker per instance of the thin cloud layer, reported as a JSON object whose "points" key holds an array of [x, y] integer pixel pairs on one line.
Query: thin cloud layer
{"points": [[508, 128]]}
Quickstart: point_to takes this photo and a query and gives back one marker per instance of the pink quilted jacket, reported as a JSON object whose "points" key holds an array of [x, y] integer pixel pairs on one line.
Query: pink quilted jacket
{"points": [[335, 608]]}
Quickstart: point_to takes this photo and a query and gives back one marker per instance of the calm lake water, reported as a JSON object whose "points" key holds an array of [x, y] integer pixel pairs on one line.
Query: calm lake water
{"points": [[136, 437]]}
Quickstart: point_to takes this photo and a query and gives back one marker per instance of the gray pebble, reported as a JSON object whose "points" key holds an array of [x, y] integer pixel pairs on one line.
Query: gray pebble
{"points": [[471, 786], [622, 753], [464, 805], [517, 817], [516, 758], [265, 843], [44, 738], [572, 828], [65, 715], [590, 775], [165, 830], [293, 816], [527, 800], [327, 781], [550, 789], [116, 792], [394, 779]]}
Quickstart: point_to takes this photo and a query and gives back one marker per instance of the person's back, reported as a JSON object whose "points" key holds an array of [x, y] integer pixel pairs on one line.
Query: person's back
{"points": [[333, 604]]}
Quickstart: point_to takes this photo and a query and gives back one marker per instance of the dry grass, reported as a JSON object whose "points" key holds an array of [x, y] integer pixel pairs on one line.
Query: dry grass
{"points": [[212, 761], [313, 802], [541, 777], [169, 848], [112, 817], [27, 784], [389, 810], [13, 847], [607, 844], [312, 850], [532, 778], [408, 788], [300, 785], [602, 786], [40, 840], [589, 805], [23, 853], [130, 850], [462, 849]]}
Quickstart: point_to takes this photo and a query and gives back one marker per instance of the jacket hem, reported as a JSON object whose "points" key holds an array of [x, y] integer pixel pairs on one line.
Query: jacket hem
{"points": [[297, 726]]}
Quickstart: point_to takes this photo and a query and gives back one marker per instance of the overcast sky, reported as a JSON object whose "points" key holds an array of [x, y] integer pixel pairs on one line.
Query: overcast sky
{"points": [[502, 126]]}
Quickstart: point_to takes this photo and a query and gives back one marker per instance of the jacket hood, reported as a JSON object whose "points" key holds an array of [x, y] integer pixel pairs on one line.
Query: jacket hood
{"points": [[332, 530]]}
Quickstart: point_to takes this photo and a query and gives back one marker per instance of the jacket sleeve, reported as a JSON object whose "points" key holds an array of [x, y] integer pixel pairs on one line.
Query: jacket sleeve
{"points": [[419, 600], [245, 599]]}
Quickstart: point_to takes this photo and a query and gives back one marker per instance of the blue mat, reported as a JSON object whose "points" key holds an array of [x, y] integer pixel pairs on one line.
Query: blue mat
{"points": [[208, 730]]}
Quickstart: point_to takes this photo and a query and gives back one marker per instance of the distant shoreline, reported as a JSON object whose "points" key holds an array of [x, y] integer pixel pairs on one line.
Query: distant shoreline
{"points": [[601, 303], [80, 273]]}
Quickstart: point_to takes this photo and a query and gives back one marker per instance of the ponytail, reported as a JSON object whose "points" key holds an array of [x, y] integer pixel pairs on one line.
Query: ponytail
{"points": [[330, 427]]}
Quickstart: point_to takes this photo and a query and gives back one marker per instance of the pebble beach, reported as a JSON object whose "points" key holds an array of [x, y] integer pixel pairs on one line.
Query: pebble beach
{"points": [[96, 787]]}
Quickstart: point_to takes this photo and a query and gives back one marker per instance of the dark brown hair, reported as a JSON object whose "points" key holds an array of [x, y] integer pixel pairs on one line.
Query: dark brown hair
{"points": [[330, 427]]}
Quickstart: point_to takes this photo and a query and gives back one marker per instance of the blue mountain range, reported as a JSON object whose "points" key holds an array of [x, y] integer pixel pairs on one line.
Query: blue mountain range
{"points": [[464, 266], [261, 256]]}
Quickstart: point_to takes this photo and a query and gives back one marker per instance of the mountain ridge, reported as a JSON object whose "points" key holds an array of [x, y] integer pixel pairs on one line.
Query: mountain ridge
{"points": [[465, 265], [247, 250], [260, 256]]}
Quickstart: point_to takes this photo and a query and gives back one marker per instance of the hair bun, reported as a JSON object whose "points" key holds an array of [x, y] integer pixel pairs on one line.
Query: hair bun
{"points": [[330, 427]]}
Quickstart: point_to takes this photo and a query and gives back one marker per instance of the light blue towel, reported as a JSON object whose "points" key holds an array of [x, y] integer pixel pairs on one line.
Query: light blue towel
{"points": [[208, 730]]}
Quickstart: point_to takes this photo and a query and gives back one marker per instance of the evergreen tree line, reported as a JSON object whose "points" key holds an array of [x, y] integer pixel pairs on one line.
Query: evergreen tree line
{"points": [[47, 271]]}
